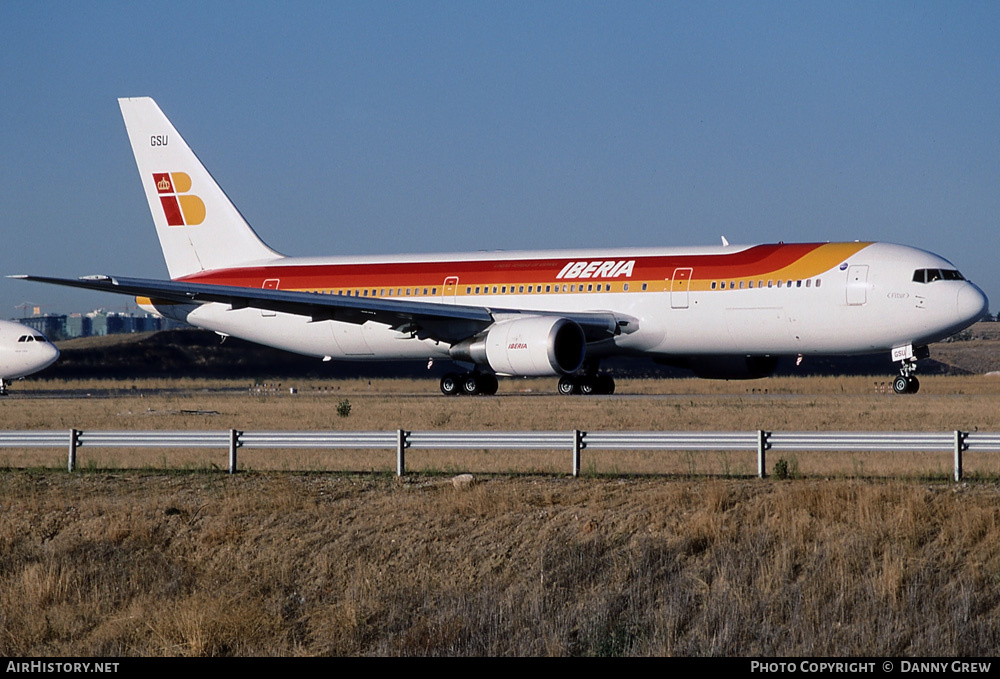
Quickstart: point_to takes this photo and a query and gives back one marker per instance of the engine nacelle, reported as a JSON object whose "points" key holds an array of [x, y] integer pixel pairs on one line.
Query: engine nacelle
{"points": [[532, 346]]}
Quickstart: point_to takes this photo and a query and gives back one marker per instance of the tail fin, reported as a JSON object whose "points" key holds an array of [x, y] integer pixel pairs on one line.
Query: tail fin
{"points": [[198, 226]]}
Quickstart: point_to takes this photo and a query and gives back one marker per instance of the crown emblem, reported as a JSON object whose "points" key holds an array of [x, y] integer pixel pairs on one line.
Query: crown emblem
{"points": [[163, 185]]}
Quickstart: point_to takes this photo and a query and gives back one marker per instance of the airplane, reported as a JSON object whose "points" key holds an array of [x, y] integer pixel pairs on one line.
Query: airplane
{"points": [[724, 312], [23, 351]]}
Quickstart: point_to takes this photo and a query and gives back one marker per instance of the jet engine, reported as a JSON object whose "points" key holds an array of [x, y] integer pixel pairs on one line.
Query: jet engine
{"points": [[531, 346]]}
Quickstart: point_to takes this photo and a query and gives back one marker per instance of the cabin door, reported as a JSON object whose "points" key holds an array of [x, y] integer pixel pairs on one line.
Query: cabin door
{"points": [[680, 284], [449, 290], [857, 284]]}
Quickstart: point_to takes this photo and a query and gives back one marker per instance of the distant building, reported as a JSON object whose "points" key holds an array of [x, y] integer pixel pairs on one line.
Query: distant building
{"points": [[95, 323], [78, 325]]}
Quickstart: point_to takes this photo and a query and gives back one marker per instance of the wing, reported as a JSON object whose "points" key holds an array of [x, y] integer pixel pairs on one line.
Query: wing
{"points": [[444, 322]]}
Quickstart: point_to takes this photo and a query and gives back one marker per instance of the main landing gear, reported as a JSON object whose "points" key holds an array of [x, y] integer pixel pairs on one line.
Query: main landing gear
{"points": [[586, 384], [469, 384]]}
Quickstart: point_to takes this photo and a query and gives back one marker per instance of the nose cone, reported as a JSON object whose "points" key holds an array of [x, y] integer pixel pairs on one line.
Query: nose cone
{"points": [[971, 305], [47, 355]]}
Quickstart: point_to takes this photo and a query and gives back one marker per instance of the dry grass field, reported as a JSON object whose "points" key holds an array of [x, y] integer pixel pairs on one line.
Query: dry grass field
{"points": [[159, 553], [157, 564]]}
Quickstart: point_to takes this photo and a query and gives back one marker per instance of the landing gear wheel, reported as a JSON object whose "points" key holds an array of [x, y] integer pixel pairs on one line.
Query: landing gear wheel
{"points": [[470, 385], [588, 386], [450, 385], [900, 385], [488, 384], [906, 384], [605, 384], [567, 385]]}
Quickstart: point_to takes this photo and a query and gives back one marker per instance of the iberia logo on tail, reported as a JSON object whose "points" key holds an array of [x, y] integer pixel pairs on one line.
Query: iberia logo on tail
{"points": [[179, 207]]}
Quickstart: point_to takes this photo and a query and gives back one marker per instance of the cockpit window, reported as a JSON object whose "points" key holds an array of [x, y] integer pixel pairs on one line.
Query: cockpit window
{"points": [[932, 275]]}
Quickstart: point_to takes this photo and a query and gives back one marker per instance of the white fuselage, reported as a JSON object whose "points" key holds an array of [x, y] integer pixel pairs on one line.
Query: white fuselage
{"points": [[865, 302]]}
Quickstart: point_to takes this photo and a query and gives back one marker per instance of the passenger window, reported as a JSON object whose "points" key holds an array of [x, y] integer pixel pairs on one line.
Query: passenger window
{"points": [[779, 284], [644, 286], [548, 288], [714, 285], [818, 281], [520, 288], [798, 284], [626, 287], [808, 282]]}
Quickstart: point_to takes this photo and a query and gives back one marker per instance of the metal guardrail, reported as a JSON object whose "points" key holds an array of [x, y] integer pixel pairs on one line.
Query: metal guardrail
{"points": [[956, 442]]}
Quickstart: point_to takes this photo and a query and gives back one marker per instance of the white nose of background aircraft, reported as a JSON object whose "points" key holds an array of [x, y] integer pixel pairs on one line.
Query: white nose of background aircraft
{"points": [[23, 351]]}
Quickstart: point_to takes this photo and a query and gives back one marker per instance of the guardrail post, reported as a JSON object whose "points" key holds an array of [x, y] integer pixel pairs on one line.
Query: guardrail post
{"points": [[763, 444], [960, 446], [234, 443], [402, 443], [578, 445], [74, 443]]}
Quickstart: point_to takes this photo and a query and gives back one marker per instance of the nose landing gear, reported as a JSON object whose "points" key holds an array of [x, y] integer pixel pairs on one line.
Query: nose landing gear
{"points": [[907, 382]]}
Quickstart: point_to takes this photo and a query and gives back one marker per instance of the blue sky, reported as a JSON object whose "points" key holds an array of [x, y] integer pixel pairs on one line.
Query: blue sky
{"points": [[384, 127]]}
